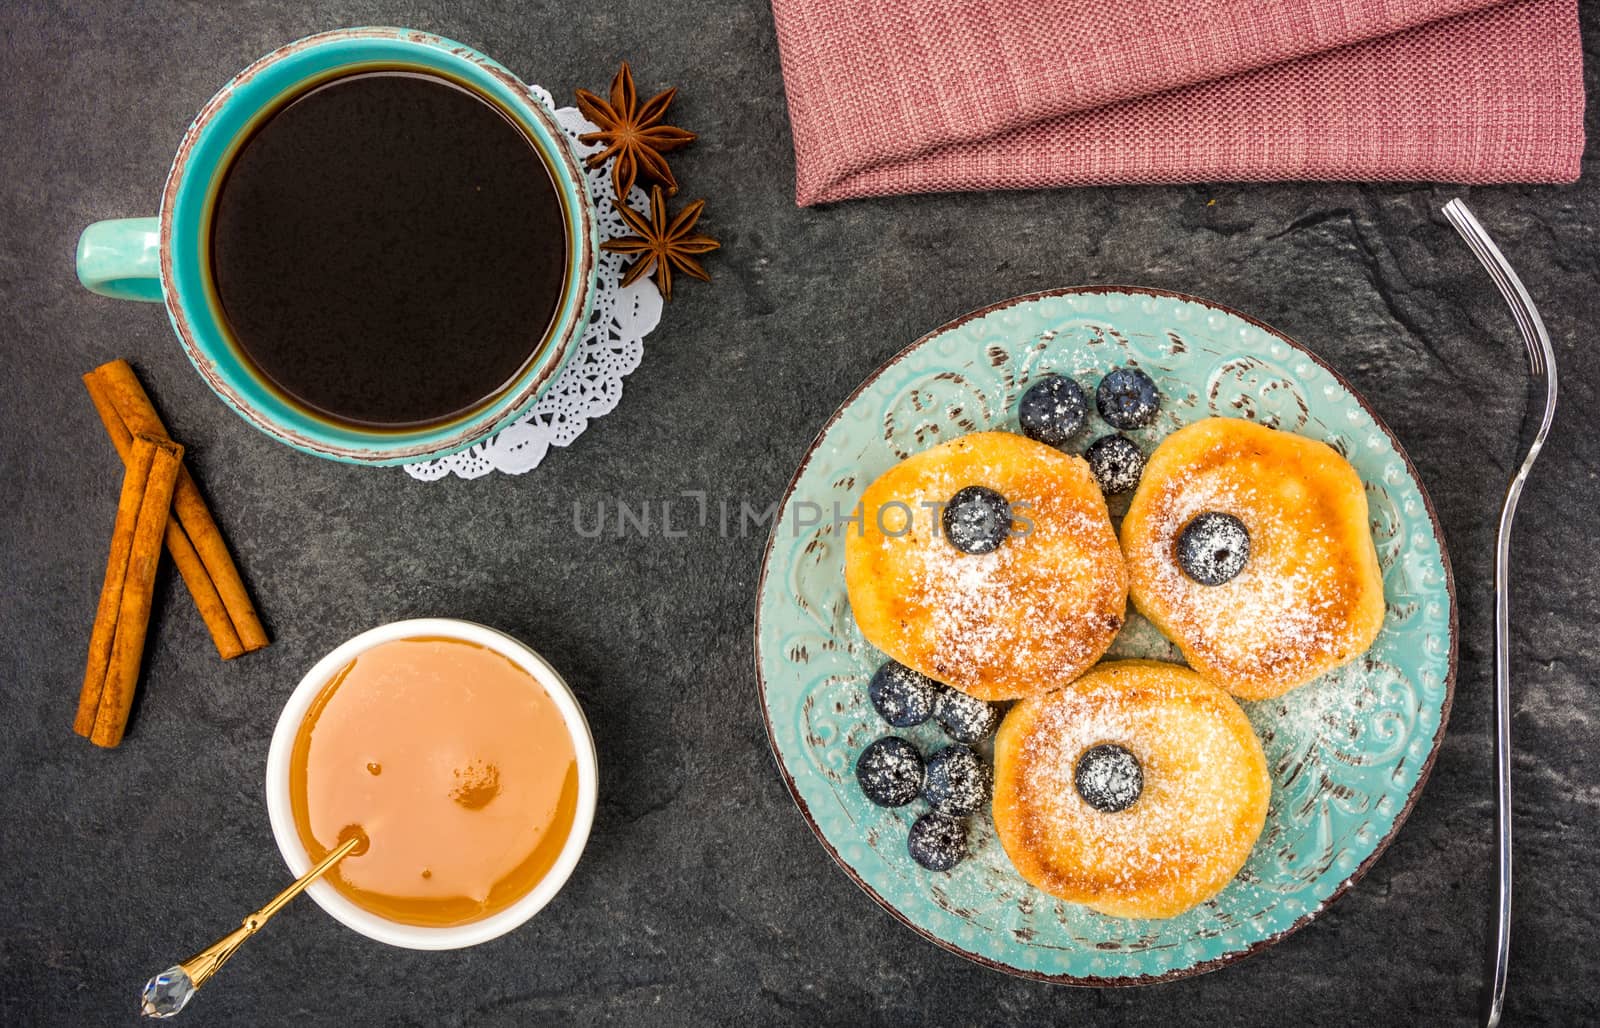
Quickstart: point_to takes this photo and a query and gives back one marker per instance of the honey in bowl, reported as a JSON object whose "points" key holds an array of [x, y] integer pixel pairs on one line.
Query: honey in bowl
{"points": [[457, 766]]}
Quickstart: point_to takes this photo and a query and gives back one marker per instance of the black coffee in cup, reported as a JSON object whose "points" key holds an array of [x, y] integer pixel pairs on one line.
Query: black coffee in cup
{"points": [[388, 249]]}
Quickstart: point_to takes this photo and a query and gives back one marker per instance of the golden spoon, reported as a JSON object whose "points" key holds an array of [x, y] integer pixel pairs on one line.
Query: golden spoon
{"points": [[169, 992]]}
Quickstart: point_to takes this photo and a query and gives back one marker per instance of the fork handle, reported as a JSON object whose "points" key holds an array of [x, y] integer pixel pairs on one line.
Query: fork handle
{"points": [[1500, 940]]}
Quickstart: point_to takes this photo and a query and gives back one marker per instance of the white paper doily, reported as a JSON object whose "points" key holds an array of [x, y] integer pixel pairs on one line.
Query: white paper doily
{"points": [[591, 383]]}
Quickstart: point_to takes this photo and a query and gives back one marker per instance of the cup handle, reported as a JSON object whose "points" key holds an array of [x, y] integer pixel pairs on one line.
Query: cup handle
{"points": [[121, 258]]}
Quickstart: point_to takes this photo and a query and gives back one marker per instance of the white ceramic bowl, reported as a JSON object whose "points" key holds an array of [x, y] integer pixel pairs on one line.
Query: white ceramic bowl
{"points": [[415, 936]]}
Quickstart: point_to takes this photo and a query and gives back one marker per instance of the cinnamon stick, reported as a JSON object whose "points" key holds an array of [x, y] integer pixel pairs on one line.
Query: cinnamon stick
{"points": [[206, 598], [105, 616], [193, 538], [122, 617]]}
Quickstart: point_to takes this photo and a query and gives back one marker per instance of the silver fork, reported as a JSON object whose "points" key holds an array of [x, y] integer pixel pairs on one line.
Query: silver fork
{"points": [[1541, 380]]}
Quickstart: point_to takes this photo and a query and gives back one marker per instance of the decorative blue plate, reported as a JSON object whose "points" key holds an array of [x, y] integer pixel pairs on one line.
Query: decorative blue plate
{"points": [[1348, 753]]}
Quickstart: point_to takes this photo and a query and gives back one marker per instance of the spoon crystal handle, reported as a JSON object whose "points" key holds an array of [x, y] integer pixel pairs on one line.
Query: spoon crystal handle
{"points": [[169, 992], [166, 994]]}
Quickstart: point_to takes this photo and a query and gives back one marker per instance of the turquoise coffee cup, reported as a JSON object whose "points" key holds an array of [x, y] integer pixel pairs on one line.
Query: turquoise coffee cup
{"points": [[166, 259]]}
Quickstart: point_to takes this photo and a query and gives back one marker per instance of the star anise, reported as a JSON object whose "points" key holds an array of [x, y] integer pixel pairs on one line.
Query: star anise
{"points": [[661, 244], [631, 133]]}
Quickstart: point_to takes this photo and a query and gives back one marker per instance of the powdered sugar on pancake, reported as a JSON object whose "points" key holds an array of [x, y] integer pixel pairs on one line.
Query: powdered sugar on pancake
{"points": [[1275, 610], [1027, 617], [1282, 611], [1308, 599], [1030, 605], [1194, 821]]}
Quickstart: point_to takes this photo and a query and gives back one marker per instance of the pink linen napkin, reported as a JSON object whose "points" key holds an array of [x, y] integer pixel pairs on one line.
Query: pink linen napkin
{"points": [[917, 96]]}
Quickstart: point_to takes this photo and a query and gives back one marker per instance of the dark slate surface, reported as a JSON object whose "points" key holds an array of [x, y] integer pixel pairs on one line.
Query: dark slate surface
{"points": [[703, 897]]}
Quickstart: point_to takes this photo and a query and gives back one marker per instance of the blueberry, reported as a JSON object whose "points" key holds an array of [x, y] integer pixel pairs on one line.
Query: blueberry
{"points": [[1108, 777], [1127, 398], [937, 842], [965, 718], [1116, 462], [977, 520], [957, 781], [1213, 547], [890, 772], [903, 697], [1053, 410]]}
